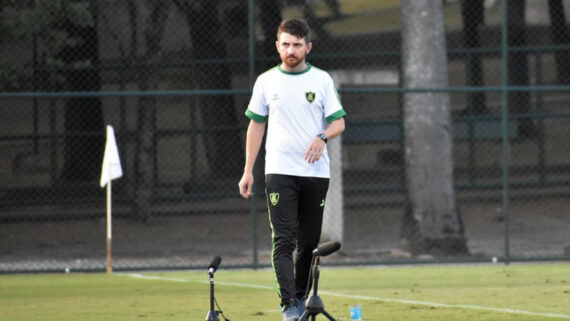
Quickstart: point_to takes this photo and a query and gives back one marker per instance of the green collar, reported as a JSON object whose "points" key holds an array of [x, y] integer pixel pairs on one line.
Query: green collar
{"points": [[294, 73]]}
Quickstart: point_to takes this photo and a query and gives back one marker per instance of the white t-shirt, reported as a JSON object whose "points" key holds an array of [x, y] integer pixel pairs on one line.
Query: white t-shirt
{"points": [[296, 106]]}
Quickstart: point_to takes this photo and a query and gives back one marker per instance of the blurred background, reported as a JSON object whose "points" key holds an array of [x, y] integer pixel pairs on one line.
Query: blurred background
{"points": [[455, 148]]}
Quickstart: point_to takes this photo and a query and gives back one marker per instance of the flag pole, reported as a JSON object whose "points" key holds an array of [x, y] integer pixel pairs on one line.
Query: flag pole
{"points": [[109, 252], [110, 170]]}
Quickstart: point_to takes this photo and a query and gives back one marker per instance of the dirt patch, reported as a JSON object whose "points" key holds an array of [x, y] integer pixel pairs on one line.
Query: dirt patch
{"points": [[538, 229]]}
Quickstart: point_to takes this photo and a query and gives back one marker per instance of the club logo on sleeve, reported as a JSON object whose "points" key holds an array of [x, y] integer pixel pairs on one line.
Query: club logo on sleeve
{"points": [[310, 96], [274, 198]]}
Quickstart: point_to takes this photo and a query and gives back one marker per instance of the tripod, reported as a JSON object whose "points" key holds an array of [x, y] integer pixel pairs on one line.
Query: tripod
{"points": [[314, 305]]}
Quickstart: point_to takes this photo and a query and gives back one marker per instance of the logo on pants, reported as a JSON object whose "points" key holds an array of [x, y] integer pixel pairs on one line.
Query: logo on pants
{"points": [[274, 198]]}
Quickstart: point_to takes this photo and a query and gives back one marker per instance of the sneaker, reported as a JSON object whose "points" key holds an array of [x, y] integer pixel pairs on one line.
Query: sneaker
{"points": [[290, 312], [300, 306]]}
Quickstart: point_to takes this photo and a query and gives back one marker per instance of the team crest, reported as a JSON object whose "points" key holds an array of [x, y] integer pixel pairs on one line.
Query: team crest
{"points": [[274, 198], [310, 96]]}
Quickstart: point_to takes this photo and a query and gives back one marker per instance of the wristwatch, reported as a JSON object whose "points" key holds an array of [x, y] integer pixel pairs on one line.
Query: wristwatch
{"points": [[323, 137]]}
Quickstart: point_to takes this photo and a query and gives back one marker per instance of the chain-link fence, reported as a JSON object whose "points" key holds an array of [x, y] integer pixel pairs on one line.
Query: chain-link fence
{"points": [[429, 169]]}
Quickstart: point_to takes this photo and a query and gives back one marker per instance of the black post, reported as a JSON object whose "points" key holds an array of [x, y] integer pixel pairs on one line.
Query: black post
{"points": [[212, 314], [314, 304]]}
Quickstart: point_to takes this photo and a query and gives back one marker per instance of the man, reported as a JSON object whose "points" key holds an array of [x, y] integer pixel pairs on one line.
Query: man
{"points": [[297, 100]]}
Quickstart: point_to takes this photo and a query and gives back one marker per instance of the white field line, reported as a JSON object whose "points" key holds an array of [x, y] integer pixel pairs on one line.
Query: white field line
{"points": [[372, 298], [149, 277], [445, 305]]}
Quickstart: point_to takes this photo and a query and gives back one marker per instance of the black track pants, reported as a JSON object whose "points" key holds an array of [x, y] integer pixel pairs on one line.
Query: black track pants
{"points": [[295, 205]]}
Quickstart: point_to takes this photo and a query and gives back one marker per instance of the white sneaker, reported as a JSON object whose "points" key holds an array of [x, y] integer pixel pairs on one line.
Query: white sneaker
{"points": [[290, 311]]}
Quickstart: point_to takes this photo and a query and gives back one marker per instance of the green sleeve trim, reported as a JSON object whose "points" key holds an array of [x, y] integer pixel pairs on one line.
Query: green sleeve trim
{"points": [[256, 117], [335, 116]]}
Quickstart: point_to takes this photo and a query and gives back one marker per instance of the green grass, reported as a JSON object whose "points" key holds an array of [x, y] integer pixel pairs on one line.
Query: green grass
{"points": [[456, 292]]}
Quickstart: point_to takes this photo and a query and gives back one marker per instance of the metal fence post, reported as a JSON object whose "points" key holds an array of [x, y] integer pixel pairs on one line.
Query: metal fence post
{"points": [[505, 126], [251, 61]]}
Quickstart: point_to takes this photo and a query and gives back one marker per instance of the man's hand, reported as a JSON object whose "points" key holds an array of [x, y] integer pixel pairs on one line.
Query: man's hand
{"points": [[315, 150], [246, 185]]}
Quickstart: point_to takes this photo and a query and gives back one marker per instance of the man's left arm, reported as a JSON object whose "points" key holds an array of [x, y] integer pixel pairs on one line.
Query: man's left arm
{"points": [[317, 145], [335, 128]]}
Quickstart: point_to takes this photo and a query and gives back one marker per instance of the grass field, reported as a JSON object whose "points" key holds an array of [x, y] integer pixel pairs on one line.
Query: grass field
{"points": [[454, 292]]}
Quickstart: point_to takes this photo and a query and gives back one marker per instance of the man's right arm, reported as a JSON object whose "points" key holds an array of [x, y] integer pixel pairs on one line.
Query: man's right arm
{"points": [[255, 132]]}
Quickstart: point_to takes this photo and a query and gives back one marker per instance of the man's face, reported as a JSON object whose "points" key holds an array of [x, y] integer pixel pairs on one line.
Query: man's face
{"points": [[292, 49]]}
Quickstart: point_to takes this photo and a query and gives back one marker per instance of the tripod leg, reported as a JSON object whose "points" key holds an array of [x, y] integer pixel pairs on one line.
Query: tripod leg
{"points": [[330, 317], [304, 316]]}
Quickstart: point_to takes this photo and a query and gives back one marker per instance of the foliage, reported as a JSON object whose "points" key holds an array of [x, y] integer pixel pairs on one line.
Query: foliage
{"points": [[37, 28]]}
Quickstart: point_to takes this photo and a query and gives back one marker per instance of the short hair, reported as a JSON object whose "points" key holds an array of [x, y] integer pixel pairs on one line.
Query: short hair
{"points": [[296, 27]]}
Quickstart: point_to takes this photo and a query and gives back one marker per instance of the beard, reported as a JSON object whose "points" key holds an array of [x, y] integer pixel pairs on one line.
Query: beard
{"points": [[292, 61]]}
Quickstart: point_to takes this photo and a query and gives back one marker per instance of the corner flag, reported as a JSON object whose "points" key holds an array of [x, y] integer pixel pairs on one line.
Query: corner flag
{"points": [[111, 168]]}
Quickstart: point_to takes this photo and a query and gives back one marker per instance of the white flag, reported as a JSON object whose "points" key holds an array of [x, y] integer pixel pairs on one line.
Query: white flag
{"points": [[111, 168]]}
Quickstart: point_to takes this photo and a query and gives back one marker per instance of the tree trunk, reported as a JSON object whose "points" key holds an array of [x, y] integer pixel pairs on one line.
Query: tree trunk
{"points": [[145, 161], [518, 67], [270, 20], [432, 223], [218, 111], [83, 115], [473, 17], [560, 36]]}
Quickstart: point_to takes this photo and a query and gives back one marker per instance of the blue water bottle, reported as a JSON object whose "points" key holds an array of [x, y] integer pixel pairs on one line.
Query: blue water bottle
{"points": [[356, 312]]}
